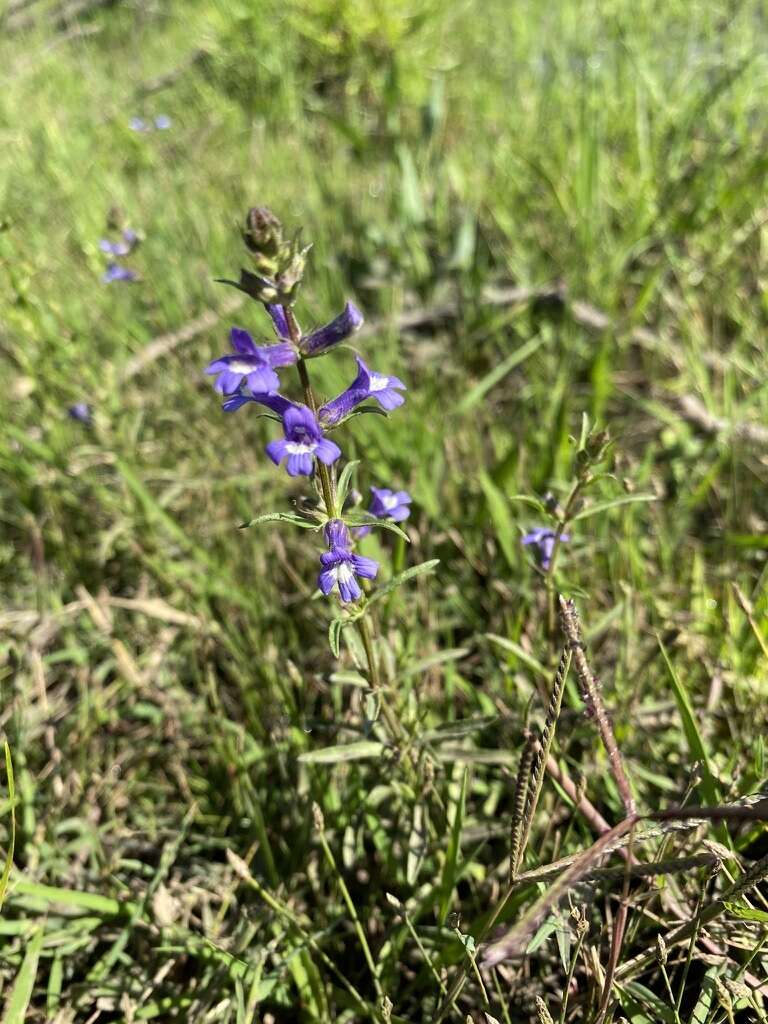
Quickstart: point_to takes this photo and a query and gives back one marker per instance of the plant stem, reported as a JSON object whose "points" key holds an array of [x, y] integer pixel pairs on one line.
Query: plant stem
{"points": [[550, 573]]}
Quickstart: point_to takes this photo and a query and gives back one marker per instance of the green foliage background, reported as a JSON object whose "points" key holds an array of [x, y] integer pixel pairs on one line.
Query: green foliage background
{"points": [[162, 671]]}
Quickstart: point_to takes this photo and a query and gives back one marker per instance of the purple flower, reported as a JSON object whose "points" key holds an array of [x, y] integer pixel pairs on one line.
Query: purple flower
{"points": [[161, 122], [386, 504], [543, 539], [279, 319], [340, 566], [302, 444], [367, 384], [250, 363], [81, 412], [271, 400], [130, 238], [115, 272], [338, 330]]}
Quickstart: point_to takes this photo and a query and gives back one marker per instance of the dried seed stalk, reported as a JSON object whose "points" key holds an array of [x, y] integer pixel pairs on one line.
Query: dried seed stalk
{"points": [[590, 692]]}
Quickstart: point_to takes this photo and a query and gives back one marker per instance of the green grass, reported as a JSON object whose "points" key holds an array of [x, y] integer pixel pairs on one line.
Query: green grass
{"points": [[166, 686]]}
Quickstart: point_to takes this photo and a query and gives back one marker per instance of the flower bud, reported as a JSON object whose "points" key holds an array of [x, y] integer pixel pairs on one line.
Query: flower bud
{"points": [[263, 232]]}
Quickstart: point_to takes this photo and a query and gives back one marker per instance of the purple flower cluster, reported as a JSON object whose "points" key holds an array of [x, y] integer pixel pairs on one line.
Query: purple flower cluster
{"points": [[248, 374], [117, 250]]}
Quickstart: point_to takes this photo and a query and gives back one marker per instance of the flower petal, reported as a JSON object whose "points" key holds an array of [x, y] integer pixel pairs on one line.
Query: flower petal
{"points": [[228, 382], [388, 399], [262, 380], [349, 588], [300, 464], [242, 342], [276, 450], [338, 330], [327, 451], [326, 581], [365, 567], [279, 319], [283, 354]]}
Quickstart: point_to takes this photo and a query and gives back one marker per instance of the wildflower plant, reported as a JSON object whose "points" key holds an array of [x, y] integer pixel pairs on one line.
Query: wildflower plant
{"points": [[304, 447]]}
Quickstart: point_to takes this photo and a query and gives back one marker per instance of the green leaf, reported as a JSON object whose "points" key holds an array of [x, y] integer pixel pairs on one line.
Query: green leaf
{"points": [[603, 506], [411, 202], [528, 500], [403, 577], [476, 394], [72, 898], [21, 993], [334, 636], [519, 652], [456, 730], [362, 750], [12, 841], [709, 786], [281, 517], [449, 874], [503, 523], [346, 477], [746, 913], [464, 248], [365, 519]]}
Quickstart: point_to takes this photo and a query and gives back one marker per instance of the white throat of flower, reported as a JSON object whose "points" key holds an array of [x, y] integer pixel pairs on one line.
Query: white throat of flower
{"points": [[241, 366], [378, 382], [389, 502], [300, 448], [343, 572]]}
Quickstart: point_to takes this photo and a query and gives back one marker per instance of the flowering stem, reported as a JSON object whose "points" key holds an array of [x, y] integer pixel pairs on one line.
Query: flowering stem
{"points": [[550, 574], [326, 480]]}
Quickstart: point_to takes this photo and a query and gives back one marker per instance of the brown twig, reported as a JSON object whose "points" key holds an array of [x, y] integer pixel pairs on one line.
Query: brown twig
{"points": [[164, 344], [590, 691]]}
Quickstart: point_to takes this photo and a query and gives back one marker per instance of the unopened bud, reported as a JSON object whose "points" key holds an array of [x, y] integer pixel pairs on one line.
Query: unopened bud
{"points": [[263, 232]]}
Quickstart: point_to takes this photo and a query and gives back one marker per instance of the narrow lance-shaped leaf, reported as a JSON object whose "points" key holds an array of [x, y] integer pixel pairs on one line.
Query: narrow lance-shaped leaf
{"points": [[403, 577]]}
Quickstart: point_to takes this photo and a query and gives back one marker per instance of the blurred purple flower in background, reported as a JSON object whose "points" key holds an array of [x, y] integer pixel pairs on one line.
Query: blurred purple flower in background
{"points": [[159, 123], [543, 539], [81, 412], [386, 504], [367, 384], [122, 248], [302, 444], [340, 566], [116, 272]]}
